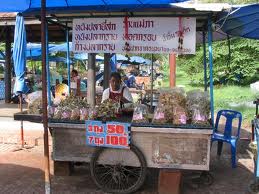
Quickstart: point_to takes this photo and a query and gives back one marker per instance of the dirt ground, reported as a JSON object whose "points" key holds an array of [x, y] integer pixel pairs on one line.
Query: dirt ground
{"points": [[23, 171]]}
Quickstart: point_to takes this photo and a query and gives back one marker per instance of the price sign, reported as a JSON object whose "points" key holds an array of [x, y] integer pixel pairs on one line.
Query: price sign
{"points": [[110, 134]]}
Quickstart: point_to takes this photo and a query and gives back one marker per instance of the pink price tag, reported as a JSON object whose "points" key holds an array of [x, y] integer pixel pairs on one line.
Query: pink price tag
{"points": [[138, 116], [159, 115]]}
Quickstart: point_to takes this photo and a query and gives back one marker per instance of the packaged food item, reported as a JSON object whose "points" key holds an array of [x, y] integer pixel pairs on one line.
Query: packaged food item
{"points": [[179, 115], [66, 114], [198, 107], [92, 113], [161, 115], [140, 114], [58, 113], [34, 101], [108, 109], [84, 114], [171, 107], [75, 114], [51, 111]]}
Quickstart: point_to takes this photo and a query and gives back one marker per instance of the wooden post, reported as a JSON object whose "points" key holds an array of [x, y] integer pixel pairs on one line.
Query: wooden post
{"points": [[44, 97], [91, 80], [8, 65], [172, 65], [169, 181], [107, 70]]}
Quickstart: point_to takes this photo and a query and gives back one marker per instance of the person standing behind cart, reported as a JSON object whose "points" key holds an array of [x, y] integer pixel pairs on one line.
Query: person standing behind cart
{"points": [[117, 91]]}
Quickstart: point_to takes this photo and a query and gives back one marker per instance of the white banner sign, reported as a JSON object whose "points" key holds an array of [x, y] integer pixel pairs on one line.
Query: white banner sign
{"points": [[145, 35]]}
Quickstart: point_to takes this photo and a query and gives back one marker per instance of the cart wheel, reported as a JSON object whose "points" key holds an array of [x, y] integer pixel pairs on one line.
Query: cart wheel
{"points": [[206, 178], [112, 170], [253, 187]]}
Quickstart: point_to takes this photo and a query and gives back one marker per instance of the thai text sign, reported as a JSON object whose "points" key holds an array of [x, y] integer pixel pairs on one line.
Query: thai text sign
{"points": [[110, 134], [135, 35]]}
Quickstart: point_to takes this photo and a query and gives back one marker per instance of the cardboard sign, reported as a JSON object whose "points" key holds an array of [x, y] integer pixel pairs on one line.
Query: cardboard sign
{"points": [[110, 134], [144, 35]]}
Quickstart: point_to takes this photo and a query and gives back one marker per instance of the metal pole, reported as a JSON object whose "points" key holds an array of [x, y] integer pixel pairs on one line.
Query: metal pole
{"points": [[44, 98], [47, 65], [211, 70], [8, 69], [91, 80], [152, 83], [204, 61], [68, 59], [107, 70], [22, 135]]}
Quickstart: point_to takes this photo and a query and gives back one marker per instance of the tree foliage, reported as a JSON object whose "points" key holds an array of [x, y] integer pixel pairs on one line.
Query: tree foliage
{"points": [[240, 66]]}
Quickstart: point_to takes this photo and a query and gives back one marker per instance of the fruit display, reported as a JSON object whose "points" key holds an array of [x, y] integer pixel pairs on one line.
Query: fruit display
{"points": [[171, 107], [198, 107], [140, 114], [70, 108], [35, 107], [34, 101], [108, 109]]}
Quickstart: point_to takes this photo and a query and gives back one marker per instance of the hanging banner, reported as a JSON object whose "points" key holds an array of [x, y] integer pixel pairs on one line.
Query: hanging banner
{"points": [[143, 35]]}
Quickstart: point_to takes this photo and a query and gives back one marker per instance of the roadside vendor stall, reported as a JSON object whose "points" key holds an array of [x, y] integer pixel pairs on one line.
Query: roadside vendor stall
{"points": [[120, 144]]}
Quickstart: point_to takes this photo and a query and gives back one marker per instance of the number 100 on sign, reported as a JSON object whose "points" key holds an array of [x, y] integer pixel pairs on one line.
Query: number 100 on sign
{"points": [[113, 134]]}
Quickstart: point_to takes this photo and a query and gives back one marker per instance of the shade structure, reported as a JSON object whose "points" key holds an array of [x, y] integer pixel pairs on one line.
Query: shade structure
{"points": [[60, 48], [76, 5], [241, 21], [19, 55], [50, 59], [137, 59], [34, 49], [121, 57], [148, 62], [84, 56]]}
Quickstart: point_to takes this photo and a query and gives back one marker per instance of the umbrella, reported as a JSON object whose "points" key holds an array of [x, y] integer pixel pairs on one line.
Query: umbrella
{"points": [[242, 21], [121, 57], [51, 59], [148, 62], [84, 56], [19, 55], [34, 49], [137, 59], [60, 48], [19, 60]]}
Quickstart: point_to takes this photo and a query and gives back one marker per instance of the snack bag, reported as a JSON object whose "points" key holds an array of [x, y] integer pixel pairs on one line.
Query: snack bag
{"points": [[140, 114]]}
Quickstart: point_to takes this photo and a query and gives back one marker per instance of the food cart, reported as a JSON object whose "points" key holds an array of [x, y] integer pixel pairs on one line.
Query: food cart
{"points": [[122, 166]]}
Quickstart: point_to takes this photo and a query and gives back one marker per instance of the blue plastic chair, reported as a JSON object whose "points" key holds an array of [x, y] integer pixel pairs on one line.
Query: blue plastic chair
{"points": [[227, 136]]}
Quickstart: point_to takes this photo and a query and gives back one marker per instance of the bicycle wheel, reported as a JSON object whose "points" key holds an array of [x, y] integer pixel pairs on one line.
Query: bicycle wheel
{"points": [[113, 172]]}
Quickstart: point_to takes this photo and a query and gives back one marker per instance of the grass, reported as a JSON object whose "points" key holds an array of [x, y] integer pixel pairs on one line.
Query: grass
{"points": [[225, 97]]}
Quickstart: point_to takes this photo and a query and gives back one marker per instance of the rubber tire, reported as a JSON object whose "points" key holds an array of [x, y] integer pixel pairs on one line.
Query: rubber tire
{"points": [[133, 188]]}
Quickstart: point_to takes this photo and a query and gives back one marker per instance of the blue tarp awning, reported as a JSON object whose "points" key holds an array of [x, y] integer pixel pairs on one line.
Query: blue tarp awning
{"points": [[94, 5], [84, 56], [242, 21]]}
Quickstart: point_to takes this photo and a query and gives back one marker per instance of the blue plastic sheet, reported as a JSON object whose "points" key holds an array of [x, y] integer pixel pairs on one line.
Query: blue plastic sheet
{"points": [[19, 55], [74, 5], [242, 21]]}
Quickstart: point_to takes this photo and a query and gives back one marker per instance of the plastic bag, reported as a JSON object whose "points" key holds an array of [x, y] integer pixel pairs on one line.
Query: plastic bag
{"points": [[92, 113], [161, 115], [75, 114], [140, 114], [66, 114], [171, 97], [179, 115], [57, 113], [198, 107], [51, 111], [84, 114]]}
